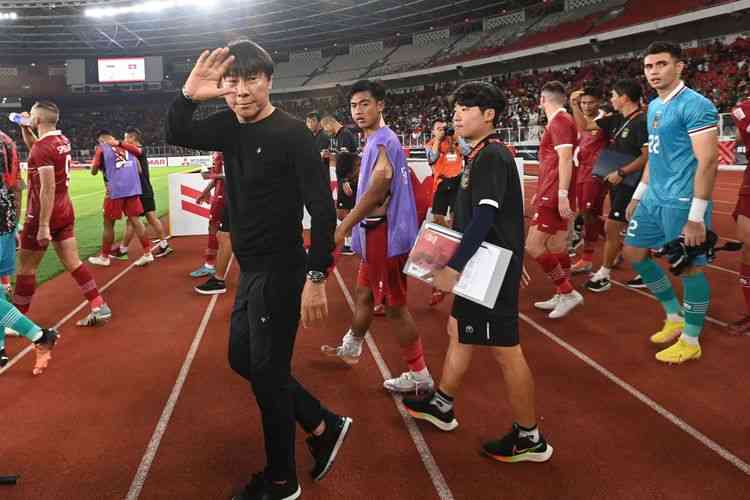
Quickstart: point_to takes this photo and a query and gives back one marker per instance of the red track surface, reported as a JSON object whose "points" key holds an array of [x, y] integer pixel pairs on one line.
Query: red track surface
{"points": [[81, 430]]}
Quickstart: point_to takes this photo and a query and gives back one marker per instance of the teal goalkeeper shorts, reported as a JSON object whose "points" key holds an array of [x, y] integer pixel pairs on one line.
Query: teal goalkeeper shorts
{"points": [[653, 226]]}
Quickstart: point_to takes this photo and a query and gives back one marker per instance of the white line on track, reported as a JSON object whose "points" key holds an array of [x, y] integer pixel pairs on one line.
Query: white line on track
{"points": [[161, 427], [438, 480], [719, 268], [671, 417], [65, 319]]}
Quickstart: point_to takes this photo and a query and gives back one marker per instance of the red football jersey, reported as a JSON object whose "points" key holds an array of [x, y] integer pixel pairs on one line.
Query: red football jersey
{"points": [[590, 146], [217, 168], [52, 149], [560, 132], [741, 116]]}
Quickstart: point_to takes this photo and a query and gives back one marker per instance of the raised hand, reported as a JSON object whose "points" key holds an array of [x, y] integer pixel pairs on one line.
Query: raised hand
{"points": [[204, 81]]}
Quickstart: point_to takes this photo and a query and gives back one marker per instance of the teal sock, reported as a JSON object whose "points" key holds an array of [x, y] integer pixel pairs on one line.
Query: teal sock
{"points": [[12, 318], [659, 284], [697, 296]]}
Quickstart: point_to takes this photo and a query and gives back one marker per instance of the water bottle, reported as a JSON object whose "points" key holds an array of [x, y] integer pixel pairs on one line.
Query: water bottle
{"points": [[19, 119]]}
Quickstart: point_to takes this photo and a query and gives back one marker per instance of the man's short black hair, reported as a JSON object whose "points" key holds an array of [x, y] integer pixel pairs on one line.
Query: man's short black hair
{"points": [[102, 132], [630, 88], [314, 114], [484, 95], [664, 47], [135, 132], [374, 87], [250, 59], [593, 91], [346, 162]]}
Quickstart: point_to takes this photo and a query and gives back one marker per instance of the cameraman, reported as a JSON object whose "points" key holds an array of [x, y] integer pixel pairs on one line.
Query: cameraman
{"points": [[446, 159]]}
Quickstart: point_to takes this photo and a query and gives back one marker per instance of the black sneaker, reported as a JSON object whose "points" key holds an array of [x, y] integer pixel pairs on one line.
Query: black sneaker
{"points": [[512, 448], [48, 339], [260, 488], [636, 282], [162, 251], [3, 358], [325, 447], [347, 251], [118, 254], [600, 285], [213, 286], [423, 409]]}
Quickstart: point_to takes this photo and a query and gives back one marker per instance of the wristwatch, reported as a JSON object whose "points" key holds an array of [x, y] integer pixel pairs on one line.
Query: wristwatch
{"points": [[621, 173], [316, 276], [187, 96]]}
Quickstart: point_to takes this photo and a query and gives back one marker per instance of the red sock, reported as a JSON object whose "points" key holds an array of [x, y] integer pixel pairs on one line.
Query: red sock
{"points": [[106, 248], [414, 356], [25, 286], [588, 253], [744, 282], [552, 268], [88, 286], [212, 249], [146, 244], [564, 260]]}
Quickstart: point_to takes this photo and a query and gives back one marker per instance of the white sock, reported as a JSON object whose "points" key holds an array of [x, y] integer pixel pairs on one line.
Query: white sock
{"points": [[354, 338], [424, 372], [604, 272], [163, 244], [674, 317], [207, 265], [532, 434], [688, 339]]}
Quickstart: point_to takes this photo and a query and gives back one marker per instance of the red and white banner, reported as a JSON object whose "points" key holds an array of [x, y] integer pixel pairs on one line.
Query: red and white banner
{"points": [[186, 217], [727, 154]]}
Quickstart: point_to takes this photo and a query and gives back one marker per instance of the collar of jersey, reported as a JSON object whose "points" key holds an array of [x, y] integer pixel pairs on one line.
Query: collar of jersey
{"points": [[50, 134], [555, 114], [676, 91]]}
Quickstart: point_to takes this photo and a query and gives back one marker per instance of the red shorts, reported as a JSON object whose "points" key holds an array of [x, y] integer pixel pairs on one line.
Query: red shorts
{"points": [[590, 196], [131, 207], [548, 220], [216, 212], [29, 241], [743, 206], [380, 268]]}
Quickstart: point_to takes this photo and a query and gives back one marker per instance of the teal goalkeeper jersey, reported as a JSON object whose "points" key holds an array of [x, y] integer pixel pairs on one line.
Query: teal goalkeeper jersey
{"points": [[671, 161]]}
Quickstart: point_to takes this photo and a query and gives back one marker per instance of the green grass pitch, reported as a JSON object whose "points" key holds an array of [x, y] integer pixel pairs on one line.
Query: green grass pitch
{"points": [[87, 193]]}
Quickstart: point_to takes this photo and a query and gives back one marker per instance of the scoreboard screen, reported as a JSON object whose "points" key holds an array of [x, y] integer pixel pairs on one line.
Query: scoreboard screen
{"points": [[122, 70]]}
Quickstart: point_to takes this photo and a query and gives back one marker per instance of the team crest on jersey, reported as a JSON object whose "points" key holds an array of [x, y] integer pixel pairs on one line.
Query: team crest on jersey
{"points": [[657, 119], [739, 114]]}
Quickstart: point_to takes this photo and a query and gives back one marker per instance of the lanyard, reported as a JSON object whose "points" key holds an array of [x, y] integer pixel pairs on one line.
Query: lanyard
{"points": [[630, 119]]}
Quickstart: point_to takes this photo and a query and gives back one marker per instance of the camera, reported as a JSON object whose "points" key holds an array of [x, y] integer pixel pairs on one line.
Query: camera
{"points": [[449, 131]]}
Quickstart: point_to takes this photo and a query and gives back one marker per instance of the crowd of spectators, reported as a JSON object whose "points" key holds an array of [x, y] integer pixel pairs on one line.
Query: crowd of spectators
{"points": [[718, 71]]}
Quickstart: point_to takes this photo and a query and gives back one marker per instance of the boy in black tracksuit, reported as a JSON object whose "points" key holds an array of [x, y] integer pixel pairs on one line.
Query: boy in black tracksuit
{"points": [[489, 207]]}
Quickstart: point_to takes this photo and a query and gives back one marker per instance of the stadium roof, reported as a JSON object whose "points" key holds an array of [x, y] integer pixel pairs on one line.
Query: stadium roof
{"points": [[59, 29]]}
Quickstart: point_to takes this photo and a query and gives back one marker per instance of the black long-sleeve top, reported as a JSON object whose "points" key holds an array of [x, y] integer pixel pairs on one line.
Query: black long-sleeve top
{"points": [[272, 169]]}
